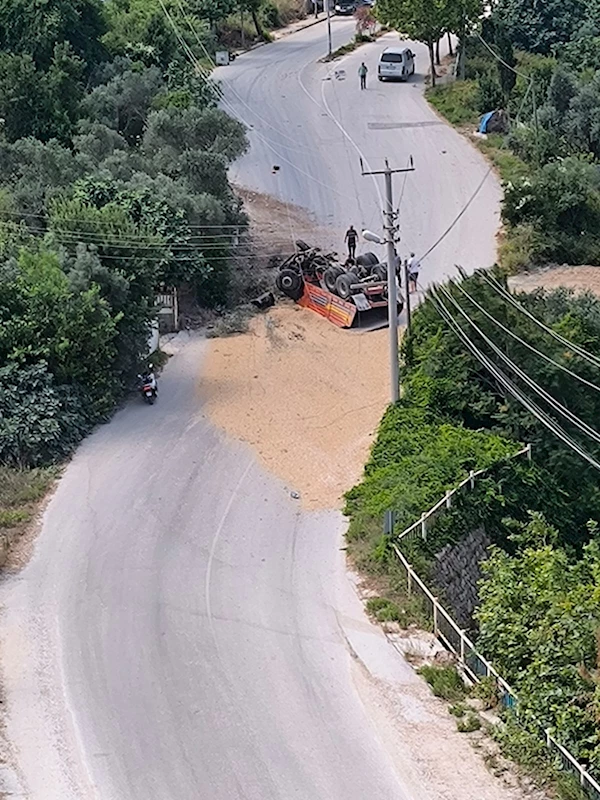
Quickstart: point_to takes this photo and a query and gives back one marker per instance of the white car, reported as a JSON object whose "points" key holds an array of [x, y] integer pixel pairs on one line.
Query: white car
{"points": [[396, 63]]}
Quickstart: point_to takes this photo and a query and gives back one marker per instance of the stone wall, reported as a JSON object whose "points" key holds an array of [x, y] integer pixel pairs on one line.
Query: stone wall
{"points": [[456, 573]]}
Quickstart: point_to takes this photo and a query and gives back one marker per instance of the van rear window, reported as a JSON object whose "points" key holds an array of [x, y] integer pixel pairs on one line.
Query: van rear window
{"points": [[393, 58]]}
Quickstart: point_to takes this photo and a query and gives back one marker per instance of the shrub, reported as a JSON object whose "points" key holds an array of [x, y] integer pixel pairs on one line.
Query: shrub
{"points": [[469, 723], [40, 422], [445, 682], [489, 93]]}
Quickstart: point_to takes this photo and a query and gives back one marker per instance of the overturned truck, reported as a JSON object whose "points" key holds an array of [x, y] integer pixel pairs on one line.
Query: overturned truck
{"points": [[346, 294]]}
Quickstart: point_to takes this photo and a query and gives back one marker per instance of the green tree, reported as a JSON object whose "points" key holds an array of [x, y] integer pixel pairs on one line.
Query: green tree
{"points": [[40, 422], [538, 27], [538, 621], [125, 101], [35, 29]]}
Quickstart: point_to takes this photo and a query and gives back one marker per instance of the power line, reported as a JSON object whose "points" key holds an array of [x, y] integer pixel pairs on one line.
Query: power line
{"points": [[511, 387], [523, 342], [582, 352], [458, 217], [546, 396]]}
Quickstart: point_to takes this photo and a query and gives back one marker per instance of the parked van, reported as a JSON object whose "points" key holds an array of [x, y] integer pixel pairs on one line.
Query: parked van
{"points": [[396, 63]]}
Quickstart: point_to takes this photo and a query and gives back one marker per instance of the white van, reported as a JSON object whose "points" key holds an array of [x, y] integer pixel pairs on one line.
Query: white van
{"points": [[396, 63]]}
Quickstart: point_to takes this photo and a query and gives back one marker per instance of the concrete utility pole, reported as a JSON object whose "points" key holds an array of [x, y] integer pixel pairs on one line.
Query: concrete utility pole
{"points": [[390, 229], [327, 4]]}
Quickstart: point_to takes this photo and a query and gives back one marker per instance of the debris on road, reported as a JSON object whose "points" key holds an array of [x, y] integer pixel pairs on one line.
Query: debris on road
{"points": [[305, 394]]}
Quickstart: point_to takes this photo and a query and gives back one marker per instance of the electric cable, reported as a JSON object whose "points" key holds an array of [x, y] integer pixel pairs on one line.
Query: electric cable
{"points": [[582, 352], [521, 341], [510, 386], [540, 391]]}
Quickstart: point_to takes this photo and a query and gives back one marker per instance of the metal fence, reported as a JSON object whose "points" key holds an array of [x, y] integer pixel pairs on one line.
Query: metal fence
{"points": [[476, 667], [419, 528]]}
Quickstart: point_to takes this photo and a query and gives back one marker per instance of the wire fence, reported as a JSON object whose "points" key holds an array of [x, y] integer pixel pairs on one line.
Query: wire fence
{"points": [[476, 666]]}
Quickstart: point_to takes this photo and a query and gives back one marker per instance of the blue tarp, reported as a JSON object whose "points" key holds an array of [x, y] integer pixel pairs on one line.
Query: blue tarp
{"points": [[484, 121]]}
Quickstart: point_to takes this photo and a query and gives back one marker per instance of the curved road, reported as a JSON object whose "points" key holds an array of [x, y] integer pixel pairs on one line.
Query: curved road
{"points": [[183, 630], [312, 121]]}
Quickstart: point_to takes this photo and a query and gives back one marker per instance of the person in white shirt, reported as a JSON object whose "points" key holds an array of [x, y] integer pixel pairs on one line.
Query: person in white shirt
{"points": [[414, 265]]}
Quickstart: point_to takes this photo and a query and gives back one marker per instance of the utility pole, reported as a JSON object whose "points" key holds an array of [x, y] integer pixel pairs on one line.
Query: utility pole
{"points": [[390, 229], [327, 4]]}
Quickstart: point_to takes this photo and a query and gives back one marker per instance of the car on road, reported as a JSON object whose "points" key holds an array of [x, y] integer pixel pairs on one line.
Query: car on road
{"points": [[396, 63], [342, 7]]}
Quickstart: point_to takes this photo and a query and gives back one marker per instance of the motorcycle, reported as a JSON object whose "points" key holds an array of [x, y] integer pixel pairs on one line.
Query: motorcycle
{"points": [[148, 387]]}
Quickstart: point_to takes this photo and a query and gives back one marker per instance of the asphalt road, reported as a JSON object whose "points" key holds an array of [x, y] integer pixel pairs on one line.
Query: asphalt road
{"points": [[312, 120], [183, 630]]}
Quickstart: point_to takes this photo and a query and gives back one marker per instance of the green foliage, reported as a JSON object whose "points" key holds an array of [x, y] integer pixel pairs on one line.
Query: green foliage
{"points": [[562, 201], [457, 710], [538, 27], [457, 101], [486, 690], [20, 492], [39, 422], [489, 93], [384, 610], [445, 682], [469, 723]]}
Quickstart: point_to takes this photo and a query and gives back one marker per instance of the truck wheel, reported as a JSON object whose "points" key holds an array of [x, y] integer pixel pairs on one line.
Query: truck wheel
{"points": [[290, 283], [366, 260], [380, 272], [330, 276], [343, 285]]}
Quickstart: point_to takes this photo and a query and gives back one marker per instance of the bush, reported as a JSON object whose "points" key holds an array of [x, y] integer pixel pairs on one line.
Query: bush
{"points": [[445, 682], [562, 202], [40, 422], [469, 723], [489, 93]]}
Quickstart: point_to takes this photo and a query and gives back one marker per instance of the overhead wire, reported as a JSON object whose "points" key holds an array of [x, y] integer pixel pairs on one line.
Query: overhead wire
{"points": [[540, 391], [510, 386], [581, 352], [461, 213], [524, 343]]}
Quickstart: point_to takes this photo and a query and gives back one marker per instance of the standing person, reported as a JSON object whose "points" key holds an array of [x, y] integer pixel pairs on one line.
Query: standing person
{"points": [[414, 265], [350, 238], [362, 73]]}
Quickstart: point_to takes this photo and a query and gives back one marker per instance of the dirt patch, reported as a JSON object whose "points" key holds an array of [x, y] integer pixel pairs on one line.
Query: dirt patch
{"points": [[306, 395], [578, 278], [273, 230]]}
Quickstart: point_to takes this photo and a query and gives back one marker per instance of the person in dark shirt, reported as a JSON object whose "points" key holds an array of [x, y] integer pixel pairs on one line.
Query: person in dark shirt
{"points": [[350, 238]]}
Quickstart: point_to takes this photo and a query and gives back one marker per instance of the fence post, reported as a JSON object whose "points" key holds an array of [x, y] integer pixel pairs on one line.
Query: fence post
{"points": [[423, 526], [462, 646], [448, 498], [435, 616], [472, 477], [408, 583], [529, 452]]}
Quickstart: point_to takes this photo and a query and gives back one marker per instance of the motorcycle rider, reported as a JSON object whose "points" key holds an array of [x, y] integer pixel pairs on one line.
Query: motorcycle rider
{"points": [[148, 378]]}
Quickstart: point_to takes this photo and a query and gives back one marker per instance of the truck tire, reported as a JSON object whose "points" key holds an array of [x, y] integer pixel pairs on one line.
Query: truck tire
{"points": [[380, 272], [343, 285], [330, 276], [372, 259], [290, 283]]}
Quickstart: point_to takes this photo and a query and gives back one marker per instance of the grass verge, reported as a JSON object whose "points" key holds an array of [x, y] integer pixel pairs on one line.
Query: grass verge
{"points": [[21, 492]]}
